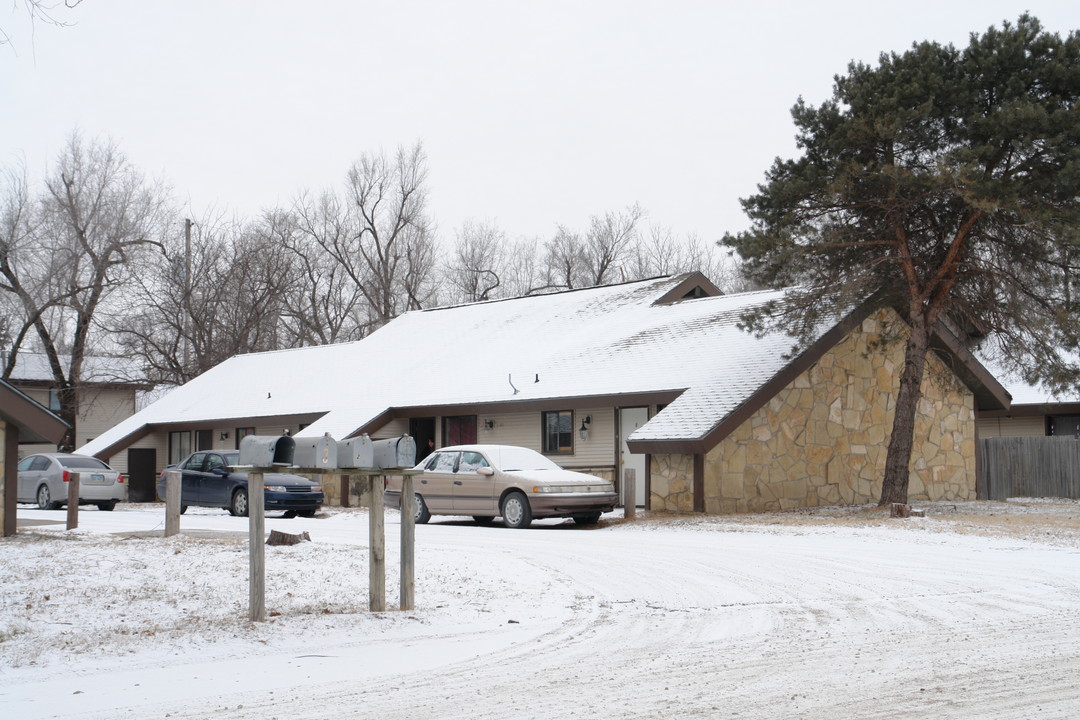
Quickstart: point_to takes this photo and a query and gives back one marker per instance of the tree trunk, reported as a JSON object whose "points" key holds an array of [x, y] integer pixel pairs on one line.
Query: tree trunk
{"points": [[69, 413], [894, 488]]}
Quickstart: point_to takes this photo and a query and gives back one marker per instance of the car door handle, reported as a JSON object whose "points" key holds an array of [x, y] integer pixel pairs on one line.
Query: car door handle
{"points": [[457, 482], [423, 482]]}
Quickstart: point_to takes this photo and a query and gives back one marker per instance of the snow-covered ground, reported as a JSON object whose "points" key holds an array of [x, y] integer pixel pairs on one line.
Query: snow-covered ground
{"points": [[972, 612]]}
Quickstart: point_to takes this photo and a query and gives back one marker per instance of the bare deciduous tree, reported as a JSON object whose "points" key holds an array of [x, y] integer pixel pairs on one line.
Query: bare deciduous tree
{"points": [[475, 268], [388, 203], [607, 242], [565, 263], [73, 246], [387, 246], [325, 303], [39, 11], [203, 301]]}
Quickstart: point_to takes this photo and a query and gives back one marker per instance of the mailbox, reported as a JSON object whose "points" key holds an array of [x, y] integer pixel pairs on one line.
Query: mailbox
{"points": [[397, 452], [266, 450], [321, 452], [355, 453]]}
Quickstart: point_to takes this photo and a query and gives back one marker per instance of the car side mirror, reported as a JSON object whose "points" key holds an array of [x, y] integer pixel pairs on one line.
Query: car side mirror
{"points": [[220, 471], [485, 471]]}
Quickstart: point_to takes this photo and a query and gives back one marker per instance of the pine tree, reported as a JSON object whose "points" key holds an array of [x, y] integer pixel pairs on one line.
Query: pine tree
{"points": [[944, 183]]}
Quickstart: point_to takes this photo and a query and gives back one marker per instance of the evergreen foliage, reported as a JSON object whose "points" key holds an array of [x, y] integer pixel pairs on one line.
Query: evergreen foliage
{"points": [[945, 183]]}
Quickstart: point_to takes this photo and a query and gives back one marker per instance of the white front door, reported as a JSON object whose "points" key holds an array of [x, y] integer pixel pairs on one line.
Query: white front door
{"points": [[630, 419]]}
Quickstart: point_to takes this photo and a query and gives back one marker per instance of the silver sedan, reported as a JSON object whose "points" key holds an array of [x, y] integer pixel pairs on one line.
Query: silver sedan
{"points": [[43, 480]]}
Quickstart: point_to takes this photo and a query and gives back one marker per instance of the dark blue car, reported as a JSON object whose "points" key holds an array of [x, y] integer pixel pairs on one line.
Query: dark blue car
{"points": [[208, 483]]}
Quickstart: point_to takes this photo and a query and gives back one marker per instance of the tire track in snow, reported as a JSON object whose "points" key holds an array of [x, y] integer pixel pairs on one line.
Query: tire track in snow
{"points": [[759, 623]]}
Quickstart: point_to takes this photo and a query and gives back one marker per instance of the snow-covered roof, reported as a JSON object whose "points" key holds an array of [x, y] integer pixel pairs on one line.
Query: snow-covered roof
{"points": [[34, 367], [613, 340]]}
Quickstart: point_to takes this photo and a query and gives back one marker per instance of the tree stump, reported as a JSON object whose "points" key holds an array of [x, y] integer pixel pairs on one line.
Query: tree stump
{"points": [[283, 538], [900, 510]]}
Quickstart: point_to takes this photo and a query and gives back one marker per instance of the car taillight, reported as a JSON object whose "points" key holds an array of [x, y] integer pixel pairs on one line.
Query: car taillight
{"points": [[120, 478], [67, 476]]}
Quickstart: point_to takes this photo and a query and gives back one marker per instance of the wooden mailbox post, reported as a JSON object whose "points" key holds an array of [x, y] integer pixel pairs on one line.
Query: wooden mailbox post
{"points": [[269, 455], [323, 454], [73, 501], [377, 534]]}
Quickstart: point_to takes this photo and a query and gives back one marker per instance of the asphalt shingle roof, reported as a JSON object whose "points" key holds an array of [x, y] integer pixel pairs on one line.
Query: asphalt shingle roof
{"points": [[597, 341]]}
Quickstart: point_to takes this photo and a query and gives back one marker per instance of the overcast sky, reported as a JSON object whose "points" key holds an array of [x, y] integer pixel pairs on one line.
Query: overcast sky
{"points": [[531, 114]]}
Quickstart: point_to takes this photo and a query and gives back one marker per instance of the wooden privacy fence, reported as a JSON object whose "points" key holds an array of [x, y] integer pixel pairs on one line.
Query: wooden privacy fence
{"points": [[1029, 467]]}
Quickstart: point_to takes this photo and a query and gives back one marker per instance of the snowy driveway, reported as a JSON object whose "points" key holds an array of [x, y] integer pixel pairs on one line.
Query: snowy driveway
{"points": [[710, 618]]}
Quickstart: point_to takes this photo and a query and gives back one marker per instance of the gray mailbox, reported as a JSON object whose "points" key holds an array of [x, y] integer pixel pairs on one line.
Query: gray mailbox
{"points": [[266, 450], [320, 452], [355, 453], [394, 453]]}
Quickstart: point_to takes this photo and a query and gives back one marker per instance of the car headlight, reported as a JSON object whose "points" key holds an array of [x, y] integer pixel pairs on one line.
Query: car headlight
{"points": [[275, 488]]}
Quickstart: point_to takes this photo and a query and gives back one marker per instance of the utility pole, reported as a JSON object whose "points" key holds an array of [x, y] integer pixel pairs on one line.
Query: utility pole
{"points": [[187, 295]]}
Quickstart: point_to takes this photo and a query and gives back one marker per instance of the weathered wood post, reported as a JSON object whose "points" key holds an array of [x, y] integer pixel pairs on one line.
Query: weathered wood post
{"points": [[173, 480], [408, 542], [256, 552], [345, 490], [629, 493], [377, 545], [73, 501]]}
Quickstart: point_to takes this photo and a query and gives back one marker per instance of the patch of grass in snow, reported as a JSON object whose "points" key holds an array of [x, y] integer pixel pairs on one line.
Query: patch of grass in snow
{"points": [[68, 595]]}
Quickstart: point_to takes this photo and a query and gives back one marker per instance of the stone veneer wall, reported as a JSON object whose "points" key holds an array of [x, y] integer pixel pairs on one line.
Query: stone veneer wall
{"points": [[823, 439], [671, 482]]}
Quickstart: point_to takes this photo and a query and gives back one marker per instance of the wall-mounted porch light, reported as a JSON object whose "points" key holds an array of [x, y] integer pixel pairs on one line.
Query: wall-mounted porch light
{"points": [[583, 431]]}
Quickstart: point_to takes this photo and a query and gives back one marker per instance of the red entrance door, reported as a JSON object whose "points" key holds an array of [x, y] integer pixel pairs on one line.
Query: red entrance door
{"points": [[459, 430]]}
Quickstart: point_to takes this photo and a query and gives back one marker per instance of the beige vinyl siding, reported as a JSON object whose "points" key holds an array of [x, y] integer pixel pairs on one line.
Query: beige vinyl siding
{"points": [[100, 410], [1031, 426], [40, 396], [37, 394], [524, 430], [32, 449], [394, 428], [158, 440]]}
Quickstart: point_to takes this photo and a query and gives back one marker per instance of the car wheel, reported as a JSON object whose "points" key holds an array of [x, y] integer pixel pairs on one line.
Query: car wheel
{"points": [[587, 518], [516, 512], [239, 505], [183, 509], [44, 499], [483, 519], [306, 513], [107, 505], [289, 514], [421, 514]]}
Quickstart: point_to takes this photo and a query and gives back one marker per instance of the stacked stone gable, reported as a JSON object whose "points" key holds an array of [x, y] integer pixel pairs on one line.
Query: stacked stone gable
{"points": [[822, 440]]}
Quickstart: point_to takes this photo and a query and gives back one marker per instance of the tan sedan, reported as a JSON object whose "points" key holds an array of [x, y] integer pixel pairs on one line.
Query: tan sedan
{"points": [[518, 484]]}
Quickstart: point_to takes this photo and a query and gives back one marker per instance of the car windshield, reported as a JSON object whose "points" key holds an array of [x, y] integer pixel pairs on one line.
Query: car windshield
{"points": [[510, 459], [82, 462], [232, 459]]}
